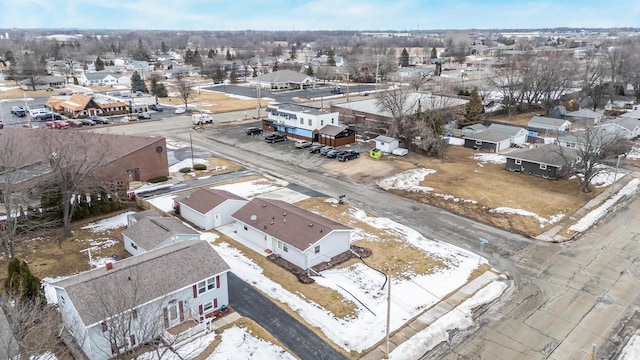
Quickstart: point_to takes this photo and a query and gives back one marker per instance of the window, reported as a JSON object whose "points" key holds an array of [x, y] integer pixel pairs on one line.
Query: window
{"points": [[202, 287], [321, 122], [310, 122], [301, 121], [207, 307], [103, 325], [518, 161], [132, 340], [62, 299], [332, 120], [543, 166], [478, 142], [210, 284], [133, 245], [282, 246], [317, 249]]}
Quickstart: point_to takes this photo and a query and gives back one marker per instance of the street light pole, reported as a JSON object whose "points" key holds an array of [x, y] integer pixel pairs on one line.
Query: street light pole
{"points": [[615, 174], [386, 352]]}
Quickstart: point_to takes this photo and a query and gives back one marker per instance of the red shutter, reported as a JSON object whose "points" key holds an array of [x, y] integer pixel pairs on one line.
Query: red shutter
{"points": [[132, 340], [181, 309], [200, 310], [195, 291], [215, 303], [134, 313], [218, 281], [165, 315], [104, 326]]}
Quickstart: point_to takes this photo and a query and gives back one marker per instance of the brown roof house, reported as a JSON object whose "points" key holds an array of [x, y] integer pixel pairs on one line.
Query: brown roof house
{"points": [[153, 232], [79, 105], [297, 235], [176, 287], [210, 208]]}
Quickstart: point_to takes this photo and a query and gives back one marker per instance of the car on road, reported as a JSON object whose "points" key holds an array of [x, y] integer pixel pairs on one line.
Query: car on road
{"points": [[326, 149], [274, 138], [98, 119], [180, 110], [333, 153], [74, 123], [19, 111], [253, 131], [348, 155], [144, 116], [57, 124], [156, 107], [315, 149], [301, 144], [87, 122]]}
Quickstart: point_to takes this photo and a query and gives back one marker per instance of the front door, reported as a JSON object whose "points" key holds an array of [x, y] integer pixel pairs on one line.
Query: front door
{"points": [[217, 221], [174, 314]]}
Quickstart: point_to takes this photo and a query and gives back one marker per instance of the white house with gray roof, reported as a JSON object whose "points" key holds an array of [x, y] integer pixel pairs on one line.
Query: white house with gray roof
{"points": [[210, 208], [134, 301], [548, 125], [517, 135], [153, 232], [628, 128], [490, 140], [102, 78], [584, 116]]}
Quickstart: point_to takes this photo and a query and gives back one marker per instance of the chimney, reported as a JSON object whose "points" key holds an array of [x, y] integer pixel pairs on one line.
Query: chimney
{"points": [[109, 266]]}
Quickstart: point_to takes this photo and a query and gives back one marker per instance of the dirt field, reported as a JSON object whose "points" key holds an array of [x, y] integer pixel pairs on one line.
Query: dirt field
{"points": [[488, 184], [516, 119], [215, 102]]}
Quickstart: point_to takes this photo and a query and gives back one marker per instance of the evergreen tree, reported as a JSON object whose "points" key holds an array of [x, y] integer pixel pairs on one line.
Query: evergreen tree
{"points": [[197, 59], [331, 61], [99, 64], [293, 53], [310, 70], [163, 47], [161, 90], [188, 57], [434, 53], [473, 110], [137, 83], [22, 283], [141, 53], [113, 48], [228, 56], [211, 54], [404, 58], [275, 66]]}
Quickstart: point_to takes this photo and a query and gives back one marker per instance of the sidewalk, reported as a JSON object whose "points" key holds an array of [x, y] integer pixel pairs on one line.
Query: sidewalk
{"points": [[553, 233]]}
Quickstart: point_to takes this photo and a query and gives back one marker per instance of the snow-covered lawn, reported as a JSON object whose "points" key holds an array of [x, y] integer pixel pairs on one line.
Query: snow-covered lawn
{"points": [[634, 154], [408, 180], [109, 223], [543, 221], [249, 189], [490, 158], [186, 163]]}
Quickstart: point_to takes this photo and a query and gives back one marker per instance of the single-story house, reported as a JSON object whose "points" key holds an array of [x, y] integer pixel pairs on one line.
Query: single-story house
{"points": [[102, 78], [210, 208], [386, 143], [299, 236], [139, 215], [548, 125], [336, 135], [518, 135], [166, 287], [473, 129], [633, 114], [489, 140], [628, 128], [584, 116], [43, 83], [282, 79], [549, 161], [152, 232]]}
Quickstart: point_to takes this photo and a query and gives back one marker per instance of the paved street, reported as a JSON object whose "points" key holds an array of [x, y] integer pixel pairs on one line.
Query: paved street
{"points": [[305, 344], [567, 296]]}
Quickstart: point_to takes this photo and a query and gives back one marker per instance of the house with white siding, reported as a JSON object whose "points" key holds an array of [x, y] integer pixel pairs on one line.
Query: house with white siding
{"points": [[152, 232], [299, 236], [134, 301], [210, 208], [300, 121]]}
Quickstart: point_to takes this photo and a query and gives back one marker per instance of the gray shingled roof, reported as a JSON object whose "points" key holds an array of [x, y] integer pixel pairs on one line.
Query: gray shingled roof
{"points": [[635, 114], [282, 76], [152, 231], [293, 225], [543, 122], [204, 200], [505, 129], [100, 293], [94, 76], [550, 154], [144, 214], [489, 135], [627, 123], [584, 113]]}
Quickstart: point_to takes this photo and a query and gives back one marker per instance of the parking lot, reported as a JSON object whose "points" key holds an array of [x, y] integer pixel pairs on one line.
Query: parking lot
{"points": [[289, 95]]}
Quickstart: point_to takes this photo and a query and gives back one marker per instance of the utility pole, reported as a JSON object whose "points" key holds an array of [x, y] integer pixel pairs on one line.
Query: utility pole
{"points": [[386, 352], [191, 142], [258, 97], [347, 87], [377, 67]]}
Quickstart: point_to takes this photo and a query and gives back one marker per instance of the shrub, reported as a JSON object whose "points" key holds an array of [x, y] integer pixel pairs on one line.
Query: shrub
{"points": [[199, 167], [185, 170], [159, 179]]}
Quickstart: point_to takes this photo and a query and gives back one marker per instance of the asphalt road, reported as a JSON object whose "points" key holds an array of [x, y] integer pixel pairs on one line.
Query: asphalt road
{"points": [[287, 96], [566, 297], [250, 303]]}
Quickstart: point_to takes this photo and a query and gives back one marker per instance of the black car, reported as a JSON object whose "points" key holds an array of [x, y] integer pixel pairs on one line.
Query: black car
{"points": [[19, 111], [333, 153], [98, 119], [47, 117], [348, 155], [87, 122], [315, 149], [325, 149], [274, 138], [253, 131]]}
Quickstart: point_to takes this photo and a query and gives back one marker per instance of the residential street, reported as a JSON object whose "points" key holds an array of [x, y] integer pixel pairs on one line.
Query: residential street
{"points": [[299, 339], [567, 296]]}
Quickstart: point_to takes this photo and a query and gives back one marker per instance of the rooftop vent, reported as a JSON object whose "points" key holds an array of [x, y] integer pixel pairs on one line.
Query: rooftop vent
{"points": [[284, 214], [310, 225]]}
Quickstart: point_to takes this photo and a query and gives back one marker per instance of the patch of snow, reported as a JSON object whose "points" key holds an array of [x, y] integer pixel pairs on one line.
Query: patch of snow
{"points": [[490, 158], [204, 177], [239, 97], [164, 203], [597, 213], [634, 154], [542, 220], [109, 223], [238, 344], [455, 141], [248, 189], [631, 351], [455, 199], [186, 163], [408, 180], [175, 144]]}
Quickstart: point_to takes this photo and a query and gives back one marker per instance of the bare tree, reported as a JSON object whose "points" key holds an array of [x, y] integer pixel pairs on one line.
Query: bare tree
{"points": [[184, 87], [396, 101], [508, 82]]}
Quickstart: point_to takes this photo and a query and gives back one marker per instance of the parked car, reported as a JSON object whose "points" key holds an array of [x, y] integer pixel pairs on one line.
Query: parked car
{"points": [[301, 144], [128, 118], [326, 149], [274, 138], [98, 119], [348, 155], [201, 119], [144, 115], [57, 124], [253, 131], [180, 110], [19, 111], [87, 122], [156, 107], [333, 153], [315, 149], [47, 117], [30, 126], [74, 123]]}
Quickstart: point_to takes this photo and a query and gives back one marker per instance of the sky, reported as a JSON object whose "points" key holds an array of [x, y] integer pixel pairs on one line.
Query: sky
{"points": [[377, 15]]}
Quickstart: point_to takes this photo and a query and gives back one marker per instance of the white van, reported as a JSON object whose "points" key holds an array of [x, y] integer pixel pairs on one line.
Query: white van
{"points": [[201, 119]]}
